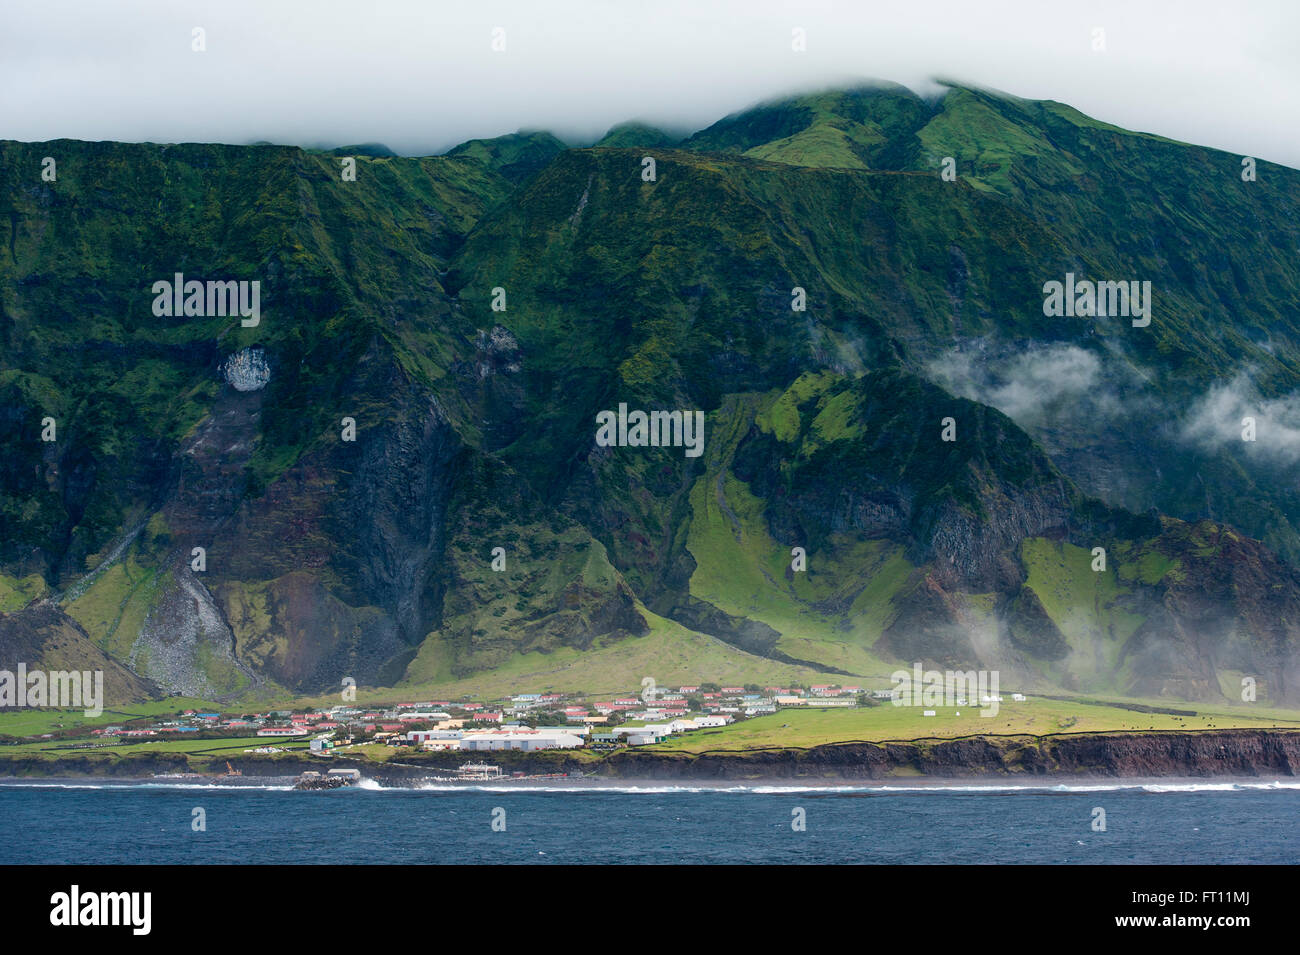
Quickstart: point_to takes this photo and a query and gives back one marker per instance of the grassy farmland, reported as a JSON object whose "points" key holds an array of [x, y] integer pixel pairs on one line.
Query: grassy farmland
{"points": [[802, 728]]}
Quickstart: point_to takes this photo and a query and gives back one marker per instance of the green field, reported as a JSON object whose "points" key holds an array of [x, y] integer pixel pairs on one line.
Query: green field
{"points": [[670, 654], [229, 746], [24, 721], [802, 728]]}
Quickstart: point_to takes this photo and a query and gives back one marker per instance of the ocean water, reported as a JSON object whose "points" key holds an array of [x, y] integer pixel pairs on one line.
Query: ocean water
{"points": [[1156, 822]]}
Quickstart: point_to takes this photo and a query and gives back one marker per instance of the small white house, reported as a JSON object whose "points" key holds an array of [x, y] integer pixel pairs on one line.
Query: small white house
{"points": [[710, 722]]}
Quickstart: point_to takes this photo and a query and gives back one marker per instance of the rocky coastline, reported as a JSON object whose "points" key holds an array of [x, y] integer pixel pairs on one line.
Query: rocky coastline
{"points": [[1219, 753]]}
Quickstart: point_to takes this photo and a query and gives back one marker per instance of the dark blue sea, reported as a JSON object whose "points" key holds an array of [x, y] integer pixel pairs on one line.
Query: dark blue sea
{"points": [[1158, 822]]}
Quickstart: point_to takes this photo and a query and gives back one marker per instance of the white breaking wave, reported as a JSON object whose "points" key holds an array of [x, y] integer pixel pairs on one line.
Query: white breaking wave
{"points": [[778, 790], [370, 785]]}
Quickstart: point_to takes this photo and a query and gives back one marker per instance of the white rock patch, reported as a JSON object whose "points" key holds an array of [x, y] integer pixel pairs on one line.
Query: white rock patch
{"points": [[247, 370]]}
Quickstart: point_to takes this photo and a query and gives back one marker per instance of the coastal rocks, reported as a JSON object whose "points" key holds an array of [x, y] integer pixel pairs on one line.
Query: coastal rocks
{"points": [[1231, 752], [1241, 753], [1130, 755]]}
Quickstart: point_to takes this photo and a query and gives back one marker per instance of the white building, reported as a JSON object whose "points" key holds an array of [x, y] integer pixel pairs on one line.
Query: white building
{"points": [[422, 736], [641, 735], [709, 722], [526, 740]]}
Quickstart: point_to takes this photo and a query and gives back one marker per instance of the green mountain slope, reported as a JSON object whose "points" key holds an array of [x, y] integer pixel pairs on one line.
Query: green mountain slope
{"points": [[635, 136], [1110, 204], [394, 475]]}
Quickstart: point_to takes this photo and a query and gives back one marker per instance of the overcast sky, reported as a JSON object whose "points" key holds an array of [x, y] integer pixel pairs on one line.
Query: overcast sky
{"points": [[423, 76]]}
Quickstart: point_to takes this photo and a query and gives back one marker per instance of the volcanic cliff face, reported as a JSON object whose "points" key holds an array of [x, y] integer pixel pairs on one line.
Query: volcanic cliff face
{"points": [[962, 502], [392, 475], [1239, 753]]}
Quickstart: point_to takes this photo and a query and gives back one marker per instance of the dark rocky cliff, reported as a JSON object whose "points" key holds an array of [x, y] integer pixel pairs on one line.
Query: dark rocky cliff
{"points": [[1226, 753]]}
